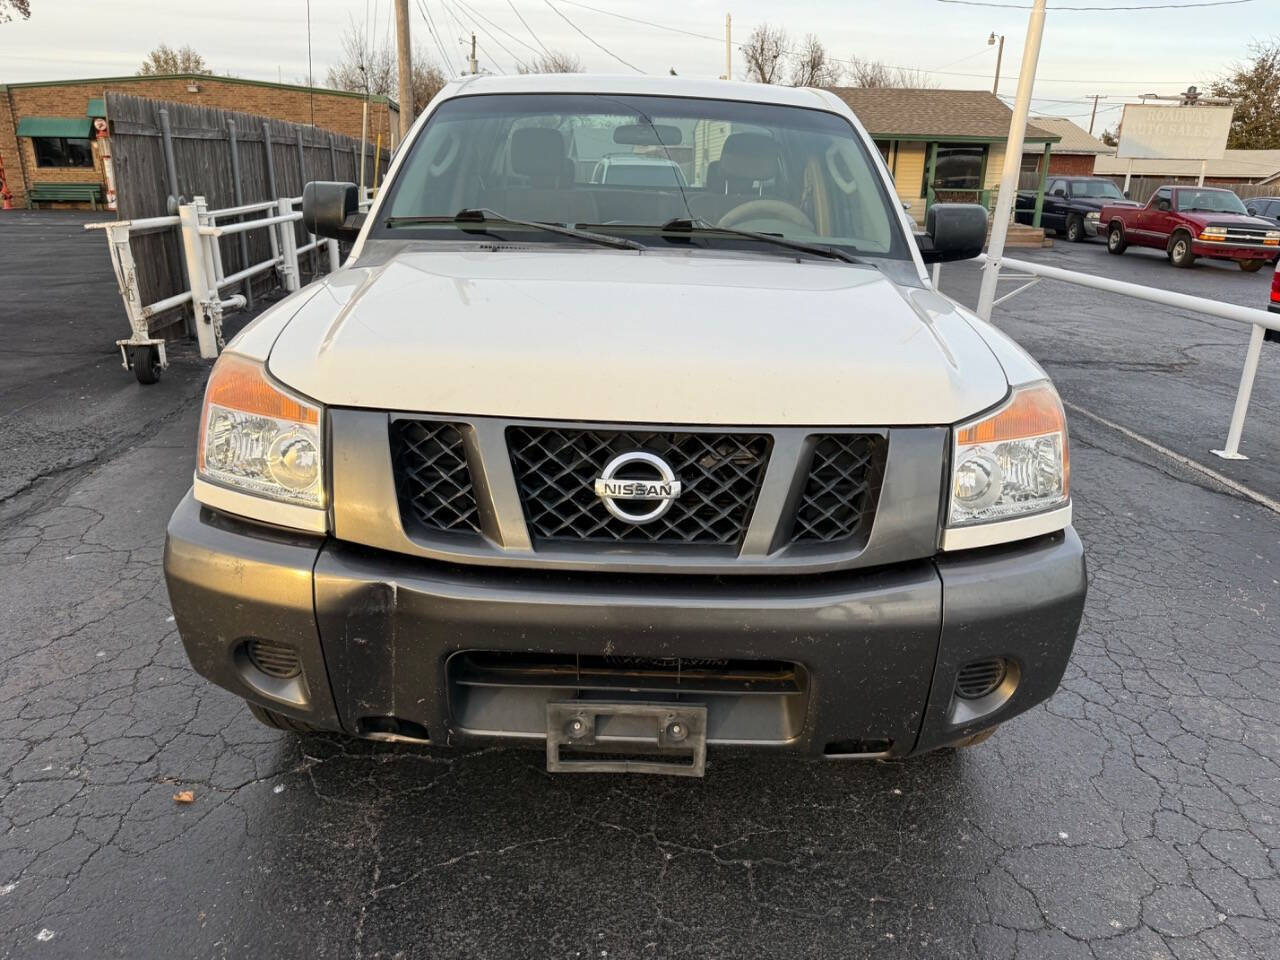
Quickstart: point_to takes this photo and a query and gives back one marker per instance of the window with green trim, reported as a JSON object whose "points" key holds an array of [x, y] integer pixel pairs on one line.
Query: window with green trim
{"points": [[959, 166], [63, 151]]}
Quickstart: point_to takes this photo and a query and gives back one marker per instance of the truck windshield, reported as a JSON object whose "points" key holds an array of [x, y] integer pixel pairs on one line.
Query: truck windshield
{"points": [[796, 173], [1102, 189], [1209, 201]]}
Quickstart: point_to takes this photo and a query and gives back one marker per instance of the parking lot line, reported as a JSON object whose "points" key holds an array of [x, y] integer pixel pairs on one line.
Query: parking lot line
{"points": [[1258, 498]]}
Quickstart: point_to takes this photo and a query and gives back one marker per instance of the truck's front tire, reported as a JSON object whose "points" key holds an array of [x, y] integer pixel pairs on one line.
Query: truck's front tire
{"points": [[1115, 239], [1251, 266], [1180, 254], [1075, 229]]}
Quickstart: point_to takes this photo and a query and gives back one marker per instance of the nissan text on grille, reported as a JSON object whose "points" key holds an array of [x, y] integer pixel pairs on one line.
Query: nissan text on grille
{"points": [[631, 428]]}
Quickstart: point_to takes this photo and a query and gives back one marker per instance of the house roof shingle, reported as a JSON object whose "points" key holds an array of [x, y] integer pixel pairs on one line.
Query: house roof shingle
{"points": [[931, 114], [1074, 139]]}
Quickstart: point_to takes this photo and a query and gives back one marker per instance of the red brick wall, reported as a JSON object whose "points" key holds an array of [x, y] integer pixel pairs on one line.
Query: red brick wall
{"points": [[10, 159], [1071, 164], [333, 111]]}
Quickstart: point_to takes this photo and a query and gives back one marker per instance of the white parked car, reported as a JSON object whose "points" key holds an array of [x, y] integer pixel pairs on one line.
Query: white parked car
{"points": [[632, 170], [627, 471]]}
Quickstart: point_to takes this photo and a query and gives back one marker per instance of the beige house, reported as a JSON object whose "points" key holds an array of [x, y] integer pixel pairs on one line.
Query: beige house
{"points": [[941, 145]]}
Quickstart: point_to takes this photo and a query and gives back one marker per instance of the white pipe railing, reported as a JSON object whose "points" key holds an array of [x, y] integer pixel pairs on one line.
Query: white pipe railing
{"points": [[200, 231], [1258, 321]]}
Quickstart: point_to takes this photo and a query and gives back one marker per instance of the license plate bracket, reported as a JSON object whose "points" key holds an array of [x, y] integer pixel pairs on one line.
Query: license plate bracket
{"points": [[579, 738]]}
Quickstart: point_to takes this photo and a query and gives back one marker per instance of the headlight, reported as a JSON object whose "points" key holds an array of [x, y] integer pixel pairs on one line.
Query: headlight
{"points": [[1013, 462], [259, 438], [1093, 215]]}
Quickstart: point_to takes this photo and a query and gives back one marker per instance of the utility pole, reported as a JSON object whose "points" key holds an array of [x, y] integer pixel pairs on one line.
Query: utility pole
{"points": [[472, 62], [1012, 159], [995, 87], [1096, 98], [404, 67], [728, 46]]}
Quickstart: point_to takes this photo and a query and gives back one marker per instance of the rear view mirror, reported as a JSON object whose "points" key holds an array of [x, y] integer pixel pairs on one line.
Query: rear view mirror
{"points": [[331, 209], [648, 135], [953, 231]]}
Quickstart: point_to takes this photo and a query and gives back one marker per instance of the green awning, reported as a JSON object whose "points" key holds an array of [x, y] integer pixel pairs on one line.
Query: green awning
{"points": [[54, 127], [97, 107]]}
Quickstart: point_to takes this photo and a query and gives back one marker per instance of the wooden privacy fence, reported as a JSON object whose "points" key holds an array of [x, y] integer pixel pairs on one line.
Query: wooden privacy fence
{"points": [[230, 159]]}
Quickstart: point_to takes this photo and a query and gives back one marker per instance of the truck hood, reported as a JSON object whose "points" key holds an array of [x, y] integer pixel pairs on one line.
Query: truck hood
{"points": [[1230, 220], [650, 338], [1097, 203]]}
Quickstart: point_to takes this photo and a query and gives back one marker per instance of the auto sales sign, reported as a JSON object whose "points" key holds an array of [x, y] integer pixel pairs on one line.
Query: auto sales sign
{"points": [[1174, 133]]}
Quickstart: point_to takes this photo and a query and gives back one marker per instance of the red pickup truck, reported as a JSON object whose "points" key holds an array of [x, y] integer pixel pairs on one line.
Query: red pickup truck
{"points": [[1191, 222]]}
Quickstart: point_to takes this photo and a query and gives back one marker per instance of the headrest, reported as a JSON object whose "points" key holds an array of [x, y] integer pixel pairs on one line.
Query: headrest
{"points": [[750, 156], [537, 152]]}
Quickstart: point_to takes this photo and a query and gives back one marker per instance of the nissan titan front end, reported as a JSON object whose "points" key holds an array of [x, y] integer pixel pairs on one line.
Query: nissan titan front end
{"points": [[627, 470]]}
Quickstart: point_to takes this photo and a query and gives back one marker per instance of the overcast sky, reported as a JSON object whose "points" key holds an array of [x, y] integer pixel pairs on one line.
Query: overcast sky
{"points": [[1112, 52]]}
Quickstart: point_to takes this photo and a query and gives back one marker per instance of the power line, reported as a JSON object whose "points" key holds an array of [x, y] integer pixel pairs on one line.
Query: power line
{"points": [[799, 55], [536, 38], [435, 36], [476, 13], [507, 50], [968, 56], [561, 15]]}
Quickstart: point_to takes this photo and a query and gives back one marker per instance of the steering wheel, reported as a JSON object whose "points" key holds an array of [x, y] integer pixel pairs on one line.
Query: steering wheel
{"points": [[765, 208]]}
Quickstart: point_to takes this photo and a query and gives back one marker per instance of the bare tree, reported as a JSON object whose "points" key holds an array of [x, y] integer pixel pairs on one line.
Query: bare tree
{"points": [[553, 61], [763, 53], [874, 73], [362, 67], [815, 68], [10, 8], [165, 59], [371, 70]]}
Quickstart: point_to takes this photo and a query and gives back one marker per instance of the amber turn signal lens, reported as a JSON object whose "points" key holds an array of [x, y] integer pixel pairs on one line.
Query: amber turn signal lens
{"points": [[1033, 412]]}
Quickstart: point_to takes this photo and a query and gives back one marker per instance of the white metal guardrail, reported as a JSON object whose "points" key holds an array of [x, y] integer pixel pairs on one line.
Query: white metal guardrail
{"points": [[1258, 320], [199, 230]]}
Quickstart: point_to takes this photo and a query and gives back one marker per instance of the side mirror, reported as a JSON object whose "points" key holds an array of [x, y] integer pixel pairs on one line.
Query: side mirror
{"points": [[953, 231], [1126, 195], [1251, 211], [332, 209]]}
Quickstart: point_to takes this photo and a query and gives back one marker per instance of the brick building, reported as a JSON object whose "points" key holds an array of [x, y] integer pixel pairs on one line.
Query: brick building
{"points": [[47, 129], [1073, 155]]}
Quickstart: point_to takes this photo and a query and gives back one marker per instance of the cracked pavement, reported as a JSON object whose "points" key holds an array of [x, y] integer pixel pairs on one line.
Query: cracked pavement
{"points": [[1135, 815]]}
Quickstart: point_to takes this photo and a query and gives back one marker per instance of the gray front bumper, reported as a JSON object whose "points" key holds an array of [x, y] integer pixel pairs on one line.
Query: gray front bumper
{"points": [[881, 648]]}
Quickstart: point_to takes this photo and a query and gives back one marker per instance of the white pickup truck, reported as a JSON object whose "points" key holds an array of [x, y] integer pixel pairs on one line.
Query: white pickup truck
{"points": [[627, 470]]}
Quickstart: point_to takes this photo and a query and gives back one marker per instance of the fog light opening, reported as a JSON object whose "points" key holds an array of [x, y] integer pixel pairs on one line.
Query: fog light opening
{"points": [[275, 659], [979, 678]]}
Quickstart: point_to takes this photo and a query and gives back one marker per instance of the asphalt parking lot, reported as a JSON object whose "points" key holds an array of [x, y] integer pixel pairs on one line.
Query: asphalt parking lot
{"points": [[1135, 815]]}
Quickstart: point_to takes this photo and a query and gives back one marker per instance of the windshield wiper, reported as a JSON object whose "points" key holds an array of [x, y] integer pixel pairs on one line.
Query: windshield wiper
{"points": [[685, 225], [481, 216]]}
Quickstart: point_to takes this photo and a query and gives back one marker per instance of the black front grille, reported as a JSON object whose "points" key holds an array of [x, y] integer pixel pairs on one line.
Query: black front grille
{"points": [[433, 482], [556, 470], [594, 672], [840, 495]]}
